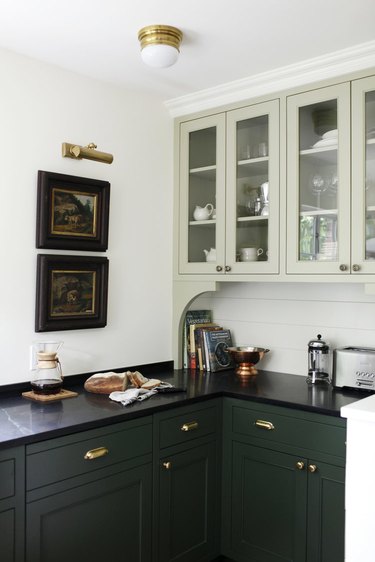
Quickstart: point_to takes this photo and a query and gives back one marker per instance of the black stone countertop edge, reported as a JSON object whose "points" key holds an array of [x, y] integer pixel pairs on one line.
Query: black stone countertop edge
{"points": [[24, 421]]}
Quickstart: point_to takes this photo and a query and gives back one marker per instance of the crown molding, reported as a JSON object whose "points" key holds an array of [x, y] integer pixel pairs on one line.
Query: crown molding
{"points": [[328, 66]]}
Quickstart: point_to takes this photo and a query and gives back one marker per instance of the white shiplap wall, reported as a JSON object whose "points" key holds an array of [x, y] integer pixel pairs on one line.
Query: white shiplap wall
{"points": [[285, 316]]}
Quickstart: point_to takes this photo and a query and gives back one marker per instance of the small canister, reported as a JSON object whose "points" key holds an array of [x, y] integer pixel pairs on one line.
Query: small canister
{"points": [[319, 359]]}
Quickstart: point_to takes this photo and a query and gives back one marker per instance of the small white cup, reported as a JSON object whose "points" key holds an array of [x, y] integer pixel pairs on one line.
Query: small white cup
{"points": [[250, 254]]}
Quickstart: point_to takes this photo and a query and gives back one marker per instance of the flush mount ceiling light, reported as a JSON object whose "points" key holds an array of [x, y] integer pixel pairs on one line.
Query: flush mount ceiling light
{"points": [[160, 45]]}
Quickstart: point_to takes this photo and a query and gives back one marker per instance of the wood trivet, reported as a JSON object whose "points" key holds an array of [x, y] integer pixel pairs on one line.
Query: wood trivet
{"points": [[50, 397]]}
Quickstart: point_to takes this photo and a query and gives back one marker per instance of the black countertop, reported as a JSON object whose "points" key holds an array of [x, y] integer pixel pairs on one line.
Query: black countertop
{"points": [[25, 421]]}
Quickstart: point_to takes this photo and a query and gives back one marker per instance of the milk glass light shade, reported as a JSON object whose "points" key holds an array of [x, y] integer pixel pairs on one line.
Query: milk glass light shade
{"points": [[160, 45]]}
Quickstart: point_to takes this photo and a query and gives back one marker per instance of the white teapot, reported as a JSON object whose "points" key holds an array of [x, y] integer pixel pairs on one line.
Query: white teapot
{"points": [[210, 255], [203, 213]]}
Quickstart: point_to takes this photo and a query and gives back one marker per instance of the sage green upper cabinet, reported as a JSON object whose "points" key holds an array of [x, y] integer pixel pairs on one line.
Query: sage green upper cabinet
{"points": [[363, 174], [229, 192], [202, 189], [318, 181]]}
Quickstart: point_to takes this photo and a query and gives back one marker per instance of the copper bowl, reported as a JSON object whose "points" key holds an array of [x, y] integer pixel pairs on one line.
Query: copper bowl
{"points": [[245, 358]]}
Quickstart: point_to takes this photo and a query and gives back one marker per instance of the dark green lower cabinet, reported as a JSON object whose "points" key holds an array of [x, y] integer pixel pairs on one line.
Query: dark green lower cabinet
{"points": [[12, 504], [103, 520], [188, 504], [268, 506], [326, 513]]}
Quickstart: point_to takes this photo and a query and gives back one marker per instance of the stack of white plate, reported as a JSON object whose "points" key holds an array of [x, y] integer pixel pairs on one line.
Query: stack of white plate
{"points": [[328, 139]]}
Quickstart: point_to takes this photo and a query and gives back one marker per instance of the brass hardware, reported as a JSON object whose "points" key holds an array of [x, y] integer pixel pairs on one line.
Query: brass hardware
{"points": [[312, 468], [167, 465], [228, 268], [300, 465], [264, 424], [160, 35], [343, 267], [356, 267], [96, 453], [88, 152], [189, 426], [219, 268]]}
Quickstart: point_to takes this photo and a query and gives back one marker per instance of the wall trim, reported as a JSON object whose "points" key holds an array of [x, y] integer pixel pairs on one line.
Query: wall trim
{"points": [[334, 64]]}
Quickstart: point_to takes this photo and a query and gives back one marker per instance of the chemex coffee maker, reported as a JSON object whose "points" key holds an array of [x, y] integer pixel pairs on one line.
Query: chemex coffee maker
{"points": [[47, 376]]}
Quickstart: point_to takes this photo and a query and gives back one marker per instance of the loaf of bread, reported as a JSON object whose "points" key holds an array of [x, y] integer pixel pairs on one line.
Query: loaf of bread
{"points": [[151, 383], [136, 378], [105, 383]]}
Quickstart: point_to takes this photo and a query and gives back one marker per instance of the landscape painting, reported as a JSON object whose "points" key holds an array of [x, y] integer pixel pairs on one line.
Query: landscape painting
{"points": [[72, 212]]}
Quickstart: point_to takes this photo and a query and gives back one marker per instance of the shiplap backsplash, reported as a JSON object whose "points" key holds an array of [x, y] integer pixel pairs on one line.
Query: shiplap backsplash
{"points": [[285, 316]]}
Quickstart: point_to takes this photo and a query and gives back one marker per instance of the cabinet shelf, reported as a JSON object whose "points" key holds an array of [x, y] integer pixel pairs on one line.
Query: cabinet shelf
{"points": [[325, 154], [258, 218], [253, 167], [318, 212], [203, 223], [206, 172]]}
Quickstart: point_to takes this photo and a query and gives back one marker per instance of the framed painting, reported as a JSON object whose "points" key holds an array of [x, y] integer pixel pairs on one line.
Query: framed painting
{"points": [[72, 212], [71, 292]]}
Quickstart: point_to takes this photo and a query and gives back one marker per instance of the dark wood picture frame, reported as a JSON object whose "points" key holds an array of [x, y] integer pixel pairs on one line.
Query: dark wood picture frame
{"points": [[72, 212], [71, 292]]}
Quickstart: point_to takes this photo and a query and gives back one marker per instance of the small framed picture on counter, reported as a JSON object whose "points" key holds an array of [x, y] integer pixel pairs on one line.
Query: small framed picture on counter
{"points": [[71, 292], [72, 212]]}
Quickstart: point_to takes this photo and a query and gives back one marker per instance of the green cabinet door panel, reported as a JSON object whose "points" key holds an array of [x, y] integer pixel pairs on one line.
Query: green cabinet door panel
{"points": [[188, 504], [105, 520], [12, 504], [7, 535], [326, 513], [269, 507]]}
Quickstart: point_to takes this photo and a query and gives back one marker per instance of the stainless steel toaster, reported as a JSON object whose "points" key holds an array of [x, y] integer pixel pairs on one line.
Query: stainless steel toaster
{"points": [[354, 367]]}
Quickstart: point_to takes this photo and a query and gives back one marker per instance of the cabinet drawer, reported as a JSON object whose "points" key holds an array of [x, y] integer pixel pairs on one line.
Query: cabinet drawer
{"points": [[188, 425], [290, 430], [65, 457]]}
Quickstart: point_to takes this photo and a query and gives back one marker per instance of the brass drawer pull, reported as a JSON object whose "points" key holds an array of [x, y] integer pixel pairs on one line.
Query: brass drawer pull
{"points": [[264, 424], [96, 453], [167, 465], [189, 426], [300, 465], [312, 468]]}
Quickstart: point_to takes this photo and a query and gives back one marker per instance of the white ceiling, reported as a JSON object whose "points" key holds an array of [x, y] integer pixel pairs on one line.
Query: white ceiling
{"points": [[223, 41]]}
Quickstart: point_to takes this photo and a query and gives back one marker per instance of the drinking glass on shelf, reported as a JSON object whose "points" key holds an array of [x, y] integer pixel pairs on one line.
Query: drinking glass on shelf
{"points": [[318, 185]]}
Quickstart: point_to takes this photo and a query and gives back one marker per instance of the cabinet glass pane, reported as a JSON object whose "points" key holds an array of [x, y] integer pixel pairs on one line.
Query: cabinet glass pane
{"points": [[318, 182], [202, 195], [252, 200], [370, 175]]}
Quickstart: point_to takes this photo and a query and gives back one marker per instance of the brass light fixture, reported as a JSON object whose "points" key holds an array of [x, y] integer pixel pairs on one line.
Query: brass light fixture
{"points": [[88, 152], [160, 45]]}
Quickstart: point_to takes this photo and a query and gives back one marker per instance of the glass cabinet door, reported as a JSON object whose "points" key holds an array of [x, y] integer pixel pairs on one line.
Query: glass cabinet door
{"points": [[318, 181], [253, 189], [202, 195], [363, 176]]}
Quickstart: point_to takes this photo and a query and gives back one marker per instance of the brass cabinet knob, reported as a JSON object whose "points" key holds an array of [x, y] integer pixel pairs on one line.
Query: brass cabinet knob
{"points": [[300, 465], [356, 267], [189, 426], [219, 268], [167, 465], [96, 453], [312, 468], [343, 267], [228, 268]]}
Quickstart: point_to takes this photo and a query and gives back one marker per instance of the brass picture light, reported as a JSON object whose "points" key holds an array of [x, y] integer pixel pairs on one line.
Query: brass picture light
{"points": [[88, 152]]}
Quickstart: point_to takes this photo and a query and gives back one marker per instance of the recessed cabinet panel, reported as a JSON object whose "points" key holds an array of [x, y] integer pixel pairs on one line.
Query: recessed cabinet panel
{"points": [[319, 181]]}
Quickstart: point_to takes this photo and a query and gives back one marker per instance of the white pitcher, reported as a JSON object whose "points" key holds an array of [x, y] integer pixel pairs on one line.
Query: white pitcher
{"points": [[203, 213]]}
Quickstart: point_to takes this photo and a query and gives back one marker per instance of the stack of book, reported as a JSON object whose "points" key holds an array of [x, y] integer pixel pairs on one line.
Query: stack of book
{"points": [[206, 343]]}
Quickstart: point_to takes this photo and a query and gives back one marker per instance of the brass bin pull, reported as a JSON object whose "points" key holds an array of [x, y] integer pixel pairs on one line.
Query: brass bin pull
{"points": [[96, 453], [189, 426], [264, 424]]}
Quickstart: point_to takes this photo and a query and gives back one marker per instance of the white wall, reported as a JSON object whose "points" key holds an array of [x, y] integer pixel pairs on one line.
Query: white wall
{"points": [[40, 107], [285, 316]]}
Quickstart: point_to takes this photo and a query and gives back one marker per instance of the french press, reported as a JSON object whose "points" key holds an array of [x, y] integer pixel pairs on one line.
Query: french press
{"points": [[319, 361], [47, 377]]}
